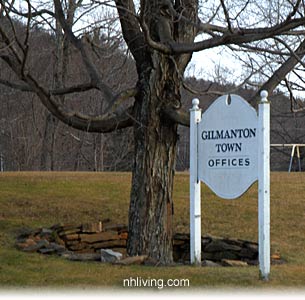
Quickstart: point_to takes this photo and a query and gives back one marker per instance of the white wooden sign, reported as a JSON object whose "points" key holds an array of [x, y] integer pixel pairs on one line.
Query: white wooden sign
{"points": [[227, 147], [229, 151]]}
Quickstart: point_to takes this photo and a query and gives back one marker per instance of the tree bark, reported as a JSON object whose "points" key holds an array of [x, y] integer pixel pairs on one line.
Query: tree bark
{"points": [[151, 204]]}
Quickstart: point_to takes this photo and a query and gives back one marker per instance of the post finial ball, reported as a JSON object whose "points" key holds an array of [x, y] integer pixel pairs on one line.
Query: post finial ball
{"points": [[195, 103], [264, 95]]}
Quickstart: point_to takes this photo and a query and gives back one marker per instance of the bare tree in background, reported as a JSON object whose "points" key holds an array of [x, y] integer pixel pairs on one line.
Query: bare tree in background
{"points": [[160, 35]]}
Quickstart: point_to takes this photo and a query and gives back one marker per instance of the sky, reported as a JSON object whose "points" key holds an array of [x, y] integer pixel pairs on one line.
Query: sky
{"points": [[204, 64]]}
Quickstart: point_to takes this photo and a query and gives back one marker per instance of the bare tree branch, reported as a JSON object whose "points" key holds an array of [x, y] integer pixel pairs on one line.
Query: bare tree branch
{"points": [[281, 72], [239, 36], [229, 35], [296, 53], [91, 68], [131, 29], [16, 86], [164, 48], [292, 99], [26, 41], [226, 13], [33, 14], [72, 89], [121, 118]]}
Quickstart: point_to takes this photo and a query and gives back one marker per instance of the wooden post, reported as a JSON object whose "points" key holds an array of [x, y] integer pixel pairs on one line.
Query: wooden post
{"points": [[264, 186], [195, 207]]}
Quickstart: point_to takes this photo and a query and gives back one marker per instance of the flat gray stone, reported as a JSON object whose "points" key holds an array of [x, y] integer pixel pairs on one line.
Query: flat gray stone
{"points": [[46, 251], [110, 256], [57, 248], [46, 231]]}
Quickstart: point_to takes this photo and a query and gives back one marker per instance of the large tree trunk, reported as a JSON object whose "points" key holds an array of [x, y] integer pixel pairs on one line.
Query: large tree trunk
{"points": [[151, 205]]}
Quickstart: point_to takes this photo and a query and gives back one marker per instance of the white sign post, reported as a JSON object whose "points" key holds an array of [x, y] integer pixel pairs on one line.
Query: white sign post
{"points": [[264, 186], [195, 207], [229, 151]]}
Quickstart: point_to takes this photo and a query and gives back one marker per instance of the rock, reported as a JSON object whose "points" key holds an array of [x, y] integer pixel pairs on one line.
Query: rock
{"points": [[56, 227], [177, 253], [124, 235], [70, 237], [218, 256], [252, 246], [205, 241], [72, 242], [35, 247], [248, 253], [210, 263], [92, 227], [182, 236], [46, 231], [89, 239], [82, 256], [68, 232], [219, 245], [252, 262], [275, 256], [24, 233], [46, 234], [62, 230], [99, 237], [58, 248], [47, 251], [186, 256], [178, 242], [231, 241], [132, 260], [110, 244], [37, 238], [77, 246], [59, 241], [233, 263], [116, 227], [123, 251], [25, 243], [109, 256]]}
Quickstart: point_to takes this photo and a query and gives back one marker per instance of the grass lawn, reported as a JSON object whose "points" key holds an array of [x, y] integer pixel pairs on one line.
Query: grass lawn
{"points": [[35, 199]]}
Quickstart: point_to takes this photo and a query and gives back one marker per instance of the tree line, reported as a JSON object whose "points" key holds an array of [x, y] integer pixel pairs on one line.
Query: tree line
{"points": [[32, 139]]}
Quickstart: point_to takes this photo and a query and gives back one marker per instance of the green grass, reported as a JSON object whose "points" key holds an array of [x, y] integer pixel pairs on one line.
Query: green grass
{"points": [[35, 199]]}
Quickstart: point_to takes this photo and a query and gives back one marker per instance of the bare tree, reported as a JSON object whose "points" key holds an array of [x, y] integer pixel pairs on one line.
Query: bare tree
{"points": [[160, 35]]}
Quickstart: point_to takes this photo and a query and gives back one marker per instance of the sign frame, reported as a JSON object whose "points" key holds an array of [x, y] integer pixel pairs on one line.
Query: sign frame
{"points": [[263, 177]]}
